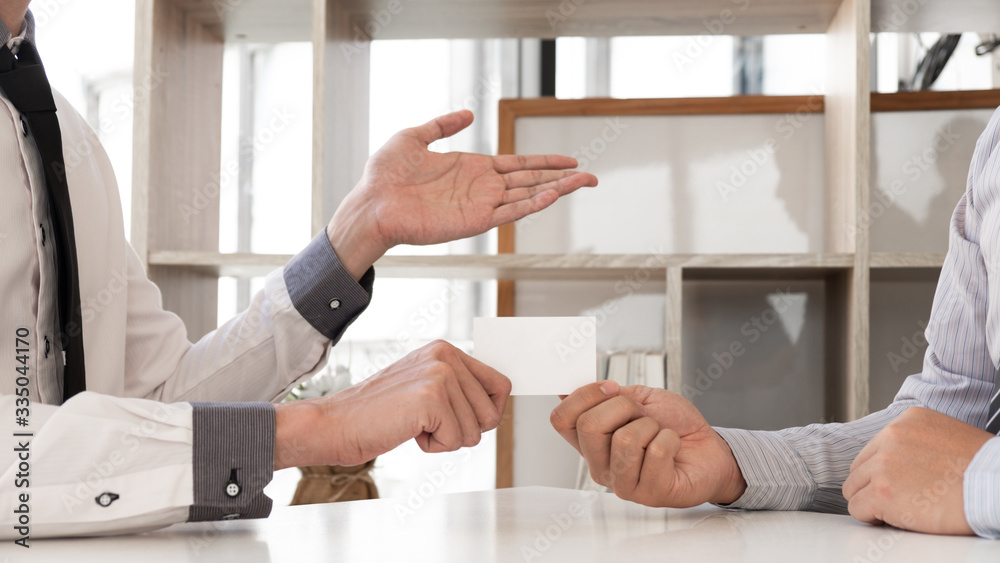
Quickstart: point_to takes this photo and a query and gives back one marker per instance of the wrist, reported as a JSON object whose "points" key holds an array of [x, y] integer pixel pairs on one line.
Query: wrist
{"points": [[734, 489], [295, 422], [355, 237]]}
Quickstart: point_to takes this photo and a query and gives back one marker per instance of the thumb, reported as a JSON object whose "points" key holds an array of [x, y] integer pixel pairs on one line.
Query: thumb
{"points": [[443, 126]]}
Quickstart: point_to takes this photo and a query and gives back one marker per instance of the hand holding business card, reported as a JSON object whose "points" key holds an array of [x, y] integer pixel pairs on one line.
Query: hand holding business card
{"points": [[540, 355]]}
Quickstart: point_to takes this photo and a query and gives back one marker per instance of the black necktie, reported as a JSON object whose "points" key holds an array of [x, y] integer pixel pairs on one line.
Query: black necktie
{"points": [[993, 425], [23, 81]]}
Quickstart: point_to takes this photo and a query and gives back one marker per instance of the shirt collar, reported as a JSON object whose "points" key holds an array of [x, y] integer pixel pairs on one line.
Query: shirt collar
{"points": [[27, 33]]}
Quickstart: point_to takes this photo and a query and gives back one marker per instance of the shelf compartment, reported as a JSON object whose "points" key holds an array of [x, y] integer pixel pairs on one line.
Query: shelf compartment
{"points": [[751, 345], [671, 181], [921, 147], [900, 310]]}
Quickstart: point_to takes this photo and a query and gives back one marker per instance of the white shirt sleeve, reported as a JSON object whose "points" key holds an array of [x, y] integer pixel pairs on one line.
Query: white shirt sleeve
{"points": [[136, 451]]}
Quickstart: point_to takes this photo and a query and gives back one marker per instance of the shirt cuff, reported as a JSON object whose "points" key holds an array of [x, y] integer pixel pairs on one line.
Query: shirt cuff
{"points": [[323, 292], [982, 490], [777, 478], [233, 460]]}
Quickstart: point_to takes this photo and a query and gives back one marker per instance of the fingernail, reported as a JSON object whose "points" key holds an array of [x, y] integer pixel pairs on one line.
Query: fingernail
{"points": [[604, 389]]}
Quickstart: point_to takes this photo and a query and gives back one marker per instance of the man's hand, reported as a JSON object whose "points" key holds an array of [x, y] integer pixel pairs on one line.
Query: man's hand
{"points": [[911, 474], [438, 395], [649, 445], [412, 195]]}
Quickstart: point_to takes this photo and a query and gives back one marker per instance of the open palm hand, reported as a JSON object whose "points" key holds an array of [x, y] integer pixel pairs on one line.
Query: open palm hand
{"points": [[428, 197], [412, 195]]}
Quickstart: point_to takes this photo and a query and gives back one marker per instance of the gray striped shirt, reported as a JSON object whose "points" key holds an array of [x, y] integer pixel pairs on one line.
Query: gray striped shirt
{"points": [[805, 468]]}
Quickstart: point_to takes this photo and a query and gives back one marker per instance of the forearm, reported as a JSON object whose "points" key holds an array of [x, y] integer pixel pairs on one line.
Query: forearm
{"points": [[257, 355], [102, 465], [802, 468], [284, 336], [805, 468]]}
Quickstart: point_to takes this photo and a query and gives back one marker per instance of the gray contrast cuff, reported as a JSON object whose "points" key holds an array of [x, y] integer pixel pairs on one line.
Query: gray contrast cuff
{"points": [[233, 460], [323, 292], [777, 478]]}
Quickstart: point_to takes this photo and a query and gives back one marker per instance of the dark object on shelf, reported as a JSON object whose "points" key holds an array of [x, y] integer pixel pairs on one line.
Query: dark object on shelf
{"points": [[934, 61], [988, 46], [333, 483]]}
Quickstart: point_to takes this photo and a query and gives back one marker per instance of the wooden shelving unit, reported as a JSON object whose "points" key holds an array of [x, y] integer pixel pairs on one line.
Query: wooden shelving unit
{"points": [[293, 20], [177, 142], [514, 267], [885, 260]]}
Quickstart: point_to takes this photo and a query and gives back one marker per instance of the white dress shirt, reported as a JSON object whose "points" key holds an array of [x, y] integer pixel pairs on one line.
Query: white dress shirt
{"points": [[138, 449]]}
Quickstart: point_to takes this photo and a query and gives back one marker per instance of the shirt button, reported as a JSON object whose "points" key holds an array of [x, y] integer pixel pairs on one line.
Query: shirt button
{"points": [[24, 126], [334, 304], [233, 485], [105, 499], [230, 517]]}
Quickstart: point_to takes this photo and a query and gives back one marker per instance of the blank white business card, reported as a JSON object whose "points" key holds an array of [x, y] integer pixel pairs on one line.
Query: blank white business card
{"points": [[540, 355]]}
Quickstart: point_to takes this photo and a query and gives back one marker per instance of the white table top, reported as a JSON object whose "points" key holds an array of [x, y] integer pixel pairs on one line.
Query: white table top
{"points": [[511, 525]]}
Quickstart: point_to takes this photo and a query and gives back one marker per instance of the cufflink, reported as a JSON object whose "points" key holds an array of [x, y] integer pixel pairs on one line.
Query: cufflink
{"points": [[334, 304], [105, 499], [233, 488]]}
